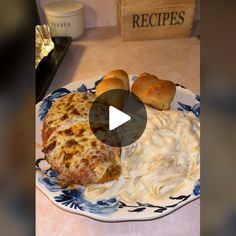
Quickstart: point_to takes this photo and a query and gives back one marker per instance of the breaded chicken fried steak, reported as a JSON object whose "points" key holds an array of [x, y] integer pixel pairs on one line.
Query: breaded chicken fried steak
{"points": [[70, 146]]}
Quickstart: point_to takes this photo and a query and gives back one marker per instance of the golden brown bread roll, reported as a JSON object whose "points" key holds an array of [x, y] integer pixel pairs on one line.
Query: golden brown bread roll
{"points": [[153, 91], [117, 98], [109, 84], [119, 74], [116, 79], [145, 74]]}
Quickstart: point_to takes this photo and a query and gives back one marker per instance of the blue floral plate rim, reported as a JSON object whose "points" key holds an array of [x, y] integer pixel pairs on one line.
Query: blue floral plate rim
{"points": [[108, 219], [109, 210]]}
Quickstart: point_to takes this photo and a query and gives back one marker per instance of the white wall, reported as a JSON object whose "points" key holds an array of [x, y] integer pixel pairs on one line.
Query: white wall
{"points": [[97, 12], [103, 13]]}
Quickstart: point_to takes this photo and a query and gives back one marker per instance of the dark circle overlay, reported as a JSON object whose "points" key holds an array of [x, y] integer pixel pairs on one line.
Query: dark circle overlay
{"points": [[126, 102]]}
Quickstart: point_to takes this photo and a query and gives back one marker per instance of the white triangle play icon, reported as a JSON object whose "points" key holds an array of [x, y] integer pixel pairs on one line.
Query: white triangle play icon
{"points": [[117, 118]]}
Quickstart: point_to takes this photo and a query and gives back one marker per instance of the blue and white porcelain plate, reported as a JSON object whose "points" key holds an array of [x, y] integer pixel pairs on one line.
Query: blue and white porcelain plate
{"points": [[109, 210]]}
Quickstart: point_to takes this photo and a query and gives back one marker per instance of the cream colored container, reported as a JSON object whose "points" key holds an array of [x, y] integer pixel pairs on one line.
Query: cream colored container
{"points": [[65, 18]]}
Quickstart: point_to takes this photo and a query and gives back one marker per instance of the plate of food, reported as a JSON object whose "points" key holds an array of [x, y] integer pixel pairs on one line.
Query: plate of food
{"points": [[148, 179]]}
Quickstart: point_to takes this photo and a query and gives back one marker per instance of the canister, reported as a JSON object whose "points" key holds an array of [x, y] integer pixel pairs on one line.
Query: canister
{"points": [[65, 18]]}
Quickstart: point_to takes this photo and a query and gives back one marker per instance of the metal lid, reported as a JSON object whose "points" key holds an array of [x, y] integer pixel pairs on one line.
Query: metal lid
{"points": [[63, 8]]}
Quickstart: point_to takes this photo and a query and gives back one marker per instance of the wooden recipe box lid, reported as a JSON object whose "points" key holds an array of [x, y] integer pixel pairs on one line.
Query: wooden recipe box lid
{"points": [[153, 19], [149, 3]]}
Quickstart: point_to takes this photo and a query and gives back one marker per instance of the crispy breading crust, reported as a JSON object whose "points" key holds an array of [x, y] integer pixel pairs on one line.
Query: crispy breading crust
{"points": [[70, 146]]}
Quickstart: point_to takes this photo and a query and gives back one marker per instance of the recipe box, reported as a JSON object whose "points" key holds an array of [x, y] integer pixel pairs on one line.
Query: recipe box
{"points": [[155, 19]]}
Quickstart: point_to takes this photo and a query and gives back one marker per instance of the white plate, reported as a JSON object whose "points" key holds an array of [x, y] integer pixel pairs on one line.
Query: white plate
{"points": [[110, 210]]}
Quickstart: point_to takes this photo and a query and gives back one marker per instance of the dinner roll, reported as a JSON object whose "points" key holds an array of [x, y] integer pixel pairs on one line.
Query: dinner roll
{"points": [[153, 91], [109, 84], [119, 74], [145, 74], [117, 99]]}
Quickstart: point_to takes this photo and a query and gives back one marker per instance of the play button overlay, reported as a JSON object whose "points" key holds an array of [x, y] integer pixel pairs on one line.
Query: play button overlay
{"points": [[117, 118]]}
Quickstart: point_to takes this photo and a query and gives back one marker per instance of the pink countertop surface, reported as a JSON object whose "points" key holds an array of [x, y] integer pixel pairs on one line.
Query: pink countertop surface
{"points": [[96, 53]]}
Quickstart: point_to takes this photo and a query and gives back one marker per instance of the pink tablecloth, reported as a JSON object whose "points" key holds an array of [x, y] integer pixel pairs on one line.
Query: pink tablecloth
{"points": [[53, 221]]}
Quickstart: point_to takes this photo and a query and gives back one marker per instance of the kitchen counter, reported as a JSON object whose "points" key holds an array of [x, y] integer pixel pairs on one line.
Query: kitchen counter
{"points": [[96, 53]]}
